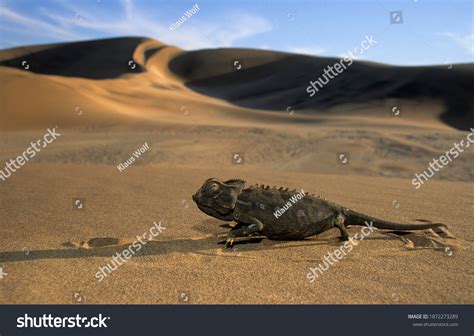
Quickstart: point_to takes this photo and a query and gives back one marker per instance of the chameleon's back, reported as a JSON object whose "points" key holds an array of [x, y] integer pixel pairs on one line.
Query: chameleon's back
{"points": [[285, 214]]}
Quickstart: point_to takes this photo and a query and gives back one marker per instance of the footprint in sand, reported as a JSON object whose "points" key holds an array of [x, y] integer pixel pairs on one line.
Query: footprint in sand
{"points": [[100, 242], [439, 239]]}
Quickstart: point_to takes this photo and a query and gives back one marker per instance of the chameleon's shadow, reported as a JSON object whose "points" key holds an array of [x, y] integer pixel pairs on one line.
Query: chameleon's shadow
{"points": [[163, 247], [151, 248]]}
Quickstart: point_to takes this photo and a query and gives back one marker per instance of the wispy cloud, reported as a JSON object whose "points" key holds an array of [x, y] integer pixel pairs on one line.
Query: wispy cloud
{"points": [[465, 41], [313, 51], [73, 23], [34, 26], [128, 6]]}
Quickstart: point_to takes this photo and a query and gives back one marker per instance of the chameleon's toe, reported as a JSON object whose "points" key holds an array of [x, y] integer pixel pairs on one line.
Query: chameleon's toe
{"points": [[229, 242]]}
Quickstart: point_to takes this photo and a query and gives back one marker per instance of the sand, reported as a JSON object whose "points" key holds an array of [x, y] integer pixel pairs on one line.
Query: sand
{"points": [[195, 111]]}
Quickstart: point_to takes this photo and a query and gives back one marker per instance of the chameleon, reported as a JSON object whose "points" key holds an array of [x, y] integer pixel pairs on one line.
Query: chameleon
{"points": [[281, 214]]}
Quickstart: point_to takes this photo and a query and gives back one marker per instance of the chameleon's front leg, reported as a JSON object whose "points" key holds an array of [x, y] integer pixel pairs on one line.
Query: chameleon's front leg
{"points": [[245, 231]]}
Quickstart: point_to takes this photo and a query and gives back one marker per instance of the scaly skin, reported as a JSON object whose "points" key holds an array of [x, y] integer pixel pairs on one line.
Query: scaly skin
{"points": [[255, 210]]}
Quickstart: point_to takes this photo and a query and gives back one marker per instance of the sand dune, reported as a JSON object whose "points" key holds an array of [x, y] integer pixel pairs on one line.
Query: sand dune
{"points": [[164, 81], [258, 85], [196, 110]]}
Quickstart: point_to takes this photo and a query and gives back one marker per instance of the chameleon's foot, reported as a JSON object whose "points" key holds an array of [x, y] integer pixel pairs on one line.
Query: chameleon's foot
{"points": [[344, 238], [227, 239], [244, 231], [229, 242]]}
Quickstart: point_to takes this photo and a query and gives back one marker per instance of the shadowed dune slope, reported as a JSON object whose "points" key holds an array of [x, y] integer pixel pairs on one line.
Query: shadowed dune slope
{"points": [[98, 59], [273, 81]]}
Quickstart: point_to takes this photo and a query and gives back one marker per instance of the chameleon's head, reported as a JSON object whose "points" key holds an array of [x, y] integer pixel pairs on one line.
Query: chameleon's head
{"points": [[217, 199]]}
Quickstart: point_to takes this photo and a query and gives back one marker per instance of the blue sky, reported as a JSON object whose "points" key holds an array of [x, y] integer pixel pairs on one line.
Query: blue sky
{"points": [[432, 32]]}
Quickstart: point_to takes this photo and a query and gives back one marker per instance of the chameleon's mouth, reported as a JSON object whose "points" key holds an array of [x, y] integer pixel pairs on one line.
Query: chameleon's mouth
{"points": [[211, 211], [217, 213]]}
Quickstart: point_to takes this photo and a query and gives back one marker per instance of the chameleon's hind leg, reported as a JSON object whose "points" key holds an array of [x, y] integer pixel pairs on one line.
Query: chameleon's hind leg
{"points": [[339, 223], [245, 231]]}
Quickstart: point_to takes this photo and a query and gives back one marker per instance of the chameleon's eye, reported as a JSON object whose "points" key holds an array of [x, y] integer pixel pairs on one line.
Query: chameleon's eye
{"points": [[214, 187]]}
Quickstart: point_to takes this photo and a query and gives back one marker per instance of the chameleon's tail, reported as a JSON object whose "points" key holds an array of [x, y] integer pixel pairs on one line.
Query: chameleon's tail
{"points": [[356, 218]]}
